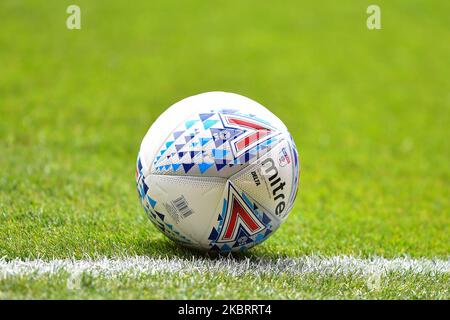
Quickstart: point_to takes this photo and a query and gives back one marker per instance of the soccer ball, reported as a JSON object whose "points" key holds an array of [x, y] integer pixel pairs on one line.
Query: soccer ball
{"points": [[217, 171]]}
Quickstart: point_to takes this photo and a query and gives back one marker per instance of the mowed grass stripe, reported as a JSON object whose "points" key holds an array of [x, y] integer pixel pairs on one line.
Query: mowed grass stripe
{"points": [[142, 265]]}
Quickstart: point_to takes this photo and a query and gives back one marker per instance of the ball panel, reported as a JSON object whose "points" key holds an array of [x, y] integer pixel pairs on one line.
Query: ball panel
{"points": [[152, 207], [161, 140], [270, 179], [186, 203], [215, 143]]}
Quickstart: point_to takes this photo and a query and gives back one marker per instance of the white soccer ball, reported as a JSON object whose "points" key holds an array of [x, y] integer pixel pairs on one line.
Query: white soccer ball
{"points": [[217, 171]]}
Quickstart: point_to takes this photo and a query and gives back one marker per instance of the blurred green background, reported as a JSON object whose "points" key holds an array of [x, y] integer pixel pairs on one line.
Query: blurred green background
{"points": [[369, 111]]}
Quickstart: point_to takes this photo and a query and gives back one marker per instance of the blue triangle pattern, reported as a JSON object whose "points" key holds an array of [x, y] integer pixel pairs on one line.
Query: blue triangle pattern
{"points": [[204, 141], [213, 235], [259, 237], [220, 166], [179, 146], [151, 201], [193, 153], [204, 166], [246, 199], [219, 153], [160, 215], [168, 144], [265, 219], [219, 142], [204, 116], [187, 166], [224, 207], [242, 238], [189, 138], [190, 123], [144, 187], [176, 134], [209, 123]]}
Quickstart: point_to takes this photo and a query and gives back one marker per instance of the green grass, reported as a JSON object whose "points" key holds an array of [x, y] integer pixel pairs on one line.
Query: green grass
{"points": [[218, 286], [369, 111]]}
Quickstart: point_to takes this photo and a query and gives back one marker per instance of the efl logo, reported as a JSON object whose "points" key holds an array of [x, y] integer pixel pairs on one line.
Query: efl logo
{"points": [[284, 158]]}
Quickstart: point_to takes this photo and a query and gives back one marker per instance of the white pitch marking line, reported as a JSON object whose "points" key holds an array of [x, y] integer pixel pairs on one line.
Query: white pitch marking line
{"points": [[142, 265]]}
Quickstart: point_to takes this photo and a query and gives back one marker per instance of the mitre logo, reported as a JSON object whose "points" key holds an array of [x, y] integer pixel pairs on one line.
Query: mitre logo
{"points": [[276, 184]]}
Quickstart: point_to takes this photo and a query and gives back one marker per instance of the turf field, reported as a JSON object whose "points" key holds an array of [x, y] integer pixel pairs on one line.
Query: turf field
{"points": [[369, 111]]}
